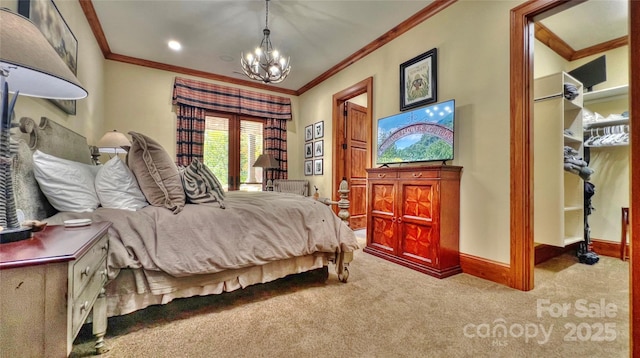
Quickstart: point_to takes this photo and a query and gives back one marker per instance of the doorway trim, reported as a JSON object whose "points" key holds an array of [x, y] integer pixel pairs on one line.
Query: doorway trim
{"points": [[364, 86], [521, 161]]}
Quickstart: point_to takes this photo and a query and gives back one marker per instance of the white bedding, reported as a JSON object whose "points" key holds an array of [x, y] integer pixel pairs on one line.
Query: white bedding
{"points": [[255, 228]]}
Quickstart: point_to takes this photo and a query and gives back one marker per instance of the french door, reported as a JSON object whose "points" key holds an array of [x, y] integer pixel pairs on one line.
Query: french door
{"points": [[232, 143]]}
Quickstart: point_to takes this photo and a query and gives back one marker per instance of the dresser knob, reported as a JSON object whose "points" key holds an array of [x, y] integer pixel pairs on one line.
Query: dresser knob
{"points": [[103, 273], [393, 219], [86, 271], [381, 175], [84, 306], [105, 247], [417, 175]]}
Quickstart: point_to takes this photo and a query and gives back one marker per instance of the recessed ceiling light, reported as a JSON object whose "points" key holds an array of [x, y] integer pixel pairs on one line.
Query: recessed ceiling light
{"points": [[175, 45]]}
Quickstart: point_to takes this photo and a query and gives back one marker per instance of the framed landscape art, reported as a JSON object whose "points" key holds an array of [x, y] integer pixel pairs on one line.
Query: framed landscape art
{"points": [[45, 15]]}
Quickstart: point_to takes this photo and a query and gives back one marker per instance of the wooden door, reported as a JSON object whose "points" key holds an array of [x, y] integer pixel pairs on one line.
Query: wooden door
{"points": [[354, 143], [416, 208]]}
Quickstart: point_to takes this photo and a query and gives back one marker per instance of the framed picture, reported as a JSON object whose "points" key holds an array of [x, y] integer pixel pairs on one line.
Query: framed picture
{"points": [[45, 15], [318, 148], [308, 167], [308, 132], [308, 150], [418, 80], [317, 167], [318, 130]]}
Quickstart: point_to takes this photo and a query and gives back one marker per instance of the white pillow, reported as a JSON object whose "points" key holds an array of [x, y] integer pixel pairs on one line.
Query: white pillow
{"points": [[68, 185], [117, 188]]}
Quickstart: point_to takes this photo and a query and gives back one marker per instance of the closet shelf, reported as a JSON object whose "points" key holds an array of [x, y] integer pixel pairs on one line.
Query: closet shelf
{"points": [[572, 240], [605, 123], [605, 94], [606, 145], [571, 139]]}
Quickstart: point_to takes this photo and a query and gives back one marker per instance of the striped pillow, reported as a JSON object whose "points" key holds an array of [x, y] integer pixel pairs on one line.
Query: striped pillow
{"points": [[201, 185]]}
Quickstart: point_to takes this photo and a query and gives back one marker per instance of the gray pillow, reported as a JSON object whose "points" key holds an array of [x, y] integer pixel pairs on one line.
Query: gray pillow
{"points": [[201, 185], [156, 173]]}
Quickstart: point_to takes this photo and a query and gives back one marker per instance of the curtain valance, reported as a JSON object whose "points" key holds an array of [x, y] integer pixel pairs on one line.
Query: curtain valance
{"points": [[228, 99]]}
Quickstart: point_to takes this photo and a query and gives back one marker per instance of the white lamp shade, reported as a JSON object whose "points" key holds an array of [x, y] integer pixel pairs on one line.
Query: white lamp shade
{"points": [[34, 67], [113, 142]]}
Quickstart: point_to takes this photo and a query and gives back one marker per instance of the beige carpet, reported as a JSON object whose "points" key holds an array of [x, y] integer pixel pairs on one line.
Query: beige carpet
{"points": [[386, 310]]}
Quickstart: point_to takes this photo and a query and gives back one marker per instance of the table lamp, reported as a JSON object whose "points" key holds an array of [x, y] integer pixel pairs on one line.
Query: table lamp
{"points": [[31, 67], [113, 142], [267, 161]]}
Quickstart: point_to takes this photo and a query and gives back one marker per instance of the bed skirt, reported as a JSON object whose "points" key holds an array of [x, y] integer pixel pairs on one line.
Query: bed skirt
{"points": [[124, 295]]}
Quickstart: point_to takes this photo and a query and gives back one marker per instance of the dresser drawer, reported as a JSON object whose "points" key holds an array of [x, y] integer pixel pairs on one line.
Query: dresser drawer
{"points": [[382, 175], [85, 267], [420, 174], [83, 304]]}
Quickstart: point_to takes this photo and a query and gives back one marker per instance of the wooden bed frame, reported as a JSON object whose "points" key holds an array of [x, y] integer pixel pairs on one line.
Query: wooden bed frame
{"points": [[54, 139]]}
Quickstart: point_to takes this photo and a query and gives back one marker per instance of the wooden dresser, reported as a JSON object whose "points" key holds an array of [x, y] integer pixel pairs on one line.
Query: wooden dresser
{"points": [[48, 286], [413, 217]]}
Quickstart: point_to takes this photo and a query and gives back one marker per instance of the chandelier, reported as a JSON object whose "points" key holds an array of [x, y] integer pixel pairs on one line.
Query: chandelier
{"points": [[265, 64]]}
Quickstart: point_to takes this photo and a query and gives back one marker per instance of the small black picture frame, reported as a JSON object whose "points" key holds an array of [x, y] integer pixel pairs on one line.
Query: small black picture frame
{"points": [[419, 80], [318, 148], [308, 167], [317, 167], [308, 133], [308, 150], [318, 130]]}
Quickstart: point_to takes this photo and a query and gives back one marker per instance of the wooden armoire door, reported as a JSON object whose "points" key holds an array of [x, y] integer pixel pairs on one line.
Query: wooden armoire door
{"points": [[417, 240]]}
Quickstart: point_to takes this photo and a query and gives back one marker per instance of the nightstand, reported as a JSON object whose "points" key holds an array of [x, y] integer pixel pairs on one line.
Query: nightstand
{"points": [[48, 286]]}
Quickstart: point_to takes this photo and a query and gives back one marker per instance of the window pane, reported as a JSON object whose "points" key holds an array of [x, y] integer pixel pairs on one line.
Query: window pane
{"points": [[250, 149], [216, 148]]}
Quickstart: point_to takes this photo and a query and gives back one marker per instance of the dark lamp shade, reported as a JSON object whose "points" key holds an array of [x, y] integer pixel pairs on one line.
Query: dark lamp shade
{"points": [[266, 161], [34, 68]]}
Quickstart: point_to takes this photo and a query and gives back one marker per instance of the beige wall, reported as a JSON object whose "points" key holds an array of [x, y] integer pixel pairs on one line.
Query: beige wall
{"points": [[89, 112], [473, 68]]}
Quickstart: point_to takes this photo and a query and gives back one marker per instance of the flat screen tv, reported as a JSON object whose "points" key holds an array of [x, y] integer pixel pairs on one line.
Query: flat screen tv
{"points": [[421, 135], [591, 73]]}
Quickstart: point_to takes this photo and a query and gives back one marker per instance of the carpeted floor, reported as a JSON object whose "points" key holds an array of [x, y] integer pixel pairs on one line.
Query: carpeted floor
{"points": [[386, 310]]}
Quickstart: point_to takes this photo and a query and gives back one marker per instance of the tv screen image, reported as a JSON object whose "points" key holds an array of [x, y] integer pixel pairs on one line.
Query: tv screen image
{"points": [[420, 135]]}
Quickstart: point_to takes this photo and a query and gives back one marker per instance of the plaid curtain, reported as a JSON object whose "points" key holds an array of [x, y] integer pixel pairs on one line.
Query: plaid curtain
{"points": [[228, 99], [190, 134], [193, 98], [275, 143]]}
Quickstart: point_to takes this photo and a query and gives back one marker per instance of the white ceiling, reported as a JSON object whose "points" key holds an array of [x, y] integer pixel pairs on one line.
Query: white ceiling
{"points": [[590, 23], [316, 34]]}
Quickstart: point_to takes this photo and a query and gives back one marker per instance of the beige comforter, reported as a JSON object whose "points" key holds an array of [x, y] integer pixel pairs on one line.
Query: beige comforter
{"points": [[254, 229]]}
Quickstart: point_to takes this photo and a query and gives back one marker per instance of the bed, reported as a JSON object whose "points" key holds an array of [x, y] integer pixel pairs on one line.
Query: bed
{"points": [[156, 255]]}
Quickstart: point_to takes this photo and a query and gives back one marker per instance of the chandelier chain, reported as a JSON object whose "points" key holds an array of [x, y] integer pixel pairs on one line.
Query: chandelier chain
{"points": [[265, 64]]}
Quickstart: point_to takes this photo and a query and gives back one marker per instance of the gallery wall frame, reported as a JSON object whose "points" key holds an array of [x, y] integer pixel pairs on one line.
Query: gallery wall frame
{"points": [[308, 150], [318, 130], [317, 166], [419, 80], [318, 148], [45, 15], [308, 167], [308, 133]]}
